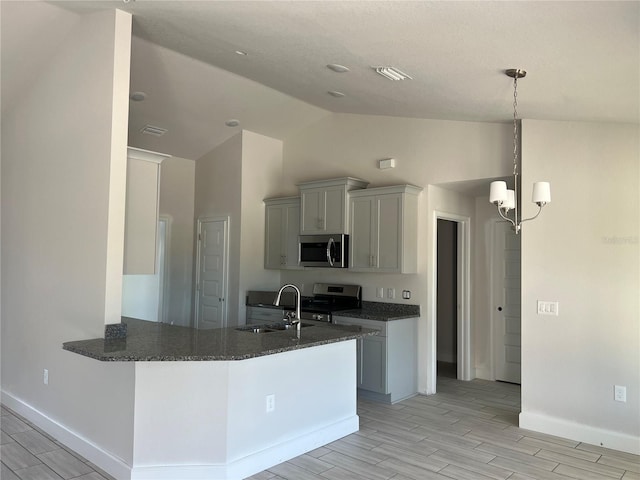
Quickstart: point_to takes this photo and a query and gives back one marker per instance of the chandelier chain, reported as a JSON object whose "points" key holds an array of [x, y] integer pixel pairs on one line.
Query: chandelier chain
{"points": [[515, 125]]}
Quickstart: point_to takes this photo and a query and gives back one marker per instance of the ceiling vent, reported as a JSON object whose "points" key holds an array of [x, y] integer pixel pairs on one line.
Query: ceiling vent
{"points": [[155, 131], [392, 73]]}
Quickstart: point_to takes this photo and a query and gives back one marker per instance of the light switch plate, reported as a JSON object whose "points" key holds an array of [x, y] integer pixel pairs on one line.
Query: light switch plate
{"points": [[619, 393], [548, 308]]}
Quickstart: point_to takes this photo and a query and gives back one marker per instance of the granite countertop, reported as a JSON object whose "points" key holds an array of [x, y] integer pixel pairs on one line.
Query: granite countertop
{"points": [[151, 341], [384, 312], [381, 311]]}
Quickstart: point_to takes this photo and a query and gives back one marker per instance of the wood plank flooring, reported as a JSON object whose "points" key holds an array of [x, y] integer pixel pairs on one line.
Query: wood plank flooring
{"points": [[467, 431]]}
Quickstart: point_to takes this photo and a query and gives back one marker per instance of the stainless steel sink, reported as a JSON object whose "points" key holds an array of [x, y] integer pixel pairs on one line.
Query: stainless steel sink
{"points": [[271, 327], [256, 329]]}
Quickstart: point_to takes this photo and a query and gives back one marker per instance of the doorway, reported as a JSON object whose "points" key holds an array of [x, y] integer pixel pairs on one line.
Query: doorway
{"points": [[447, 299], [462, 226], [212, 265]]}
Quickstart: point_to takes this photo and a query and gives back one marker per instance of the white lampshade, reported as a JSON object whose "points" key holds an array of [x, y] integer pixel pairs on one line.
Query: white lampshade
{"points": [[498, 192], [510, 203], [541, 192]]}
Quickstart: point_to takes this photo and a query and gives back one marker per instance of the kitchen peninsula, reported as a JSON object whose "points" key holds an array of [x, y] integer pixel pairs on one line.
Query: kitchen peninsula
{"points": [[228, 403]]}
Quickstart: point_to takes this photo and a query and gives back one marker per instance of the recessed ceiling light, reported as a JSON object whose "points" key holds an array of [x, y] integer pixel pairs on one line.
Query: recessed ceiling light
{"points": [[232, 123], [392, 73], [337, 68], [138, 96], [240, 52], [336, 94], [152, 130]]}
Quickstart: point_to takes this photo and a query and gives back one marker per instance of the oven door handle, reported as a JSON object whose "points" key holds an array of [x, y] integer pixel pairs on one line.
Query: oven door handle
{"points": [[330, 245]]}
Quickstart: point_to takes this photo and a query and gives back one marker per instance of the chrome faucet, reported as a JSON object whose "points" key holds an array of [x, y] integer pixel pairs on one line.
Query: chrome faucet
{"points": [[277, 303]]}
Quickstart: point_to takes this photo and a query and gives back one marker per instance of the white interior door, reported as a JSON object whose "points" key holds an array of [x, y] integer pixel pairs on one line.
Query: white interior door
{"points": [[211, 310], [506, 312]]}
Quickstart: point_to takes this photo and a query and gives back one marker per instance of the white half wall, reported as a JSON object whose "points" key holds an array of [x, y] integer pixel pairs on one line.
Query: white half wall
{"points": [[208, 420], [583, 252]]}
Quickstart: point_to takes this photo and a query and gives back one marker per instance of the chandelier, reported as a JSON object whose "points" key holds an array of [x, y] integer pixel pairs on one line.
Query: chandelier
{"points": [[506, 200]]}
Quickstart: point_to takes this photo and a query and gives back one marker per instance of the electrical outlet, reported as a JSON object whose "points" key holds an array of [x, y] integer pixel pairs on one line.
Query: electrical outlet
{"points": [[271, 403], [406, 294], [391, 293], [619, 393], [45, 377]]}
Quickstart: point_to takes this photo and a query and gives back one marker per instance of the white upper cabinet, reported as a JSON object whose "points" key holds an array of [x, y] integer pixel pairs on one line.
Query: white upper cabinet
{"points": [[282, 226], [141, 211], [324, 205], [383, 228]]}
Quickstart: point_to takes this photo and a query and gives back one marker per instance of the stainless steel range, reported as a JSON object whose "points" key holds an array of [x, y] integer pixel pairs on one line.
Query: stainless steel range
{"points": [[328, 298]]}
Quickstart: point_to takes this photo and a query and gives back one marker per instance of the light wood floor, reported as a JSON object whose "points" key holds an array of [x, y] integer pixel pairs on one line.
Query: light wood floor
{"points": [[467, 431]]}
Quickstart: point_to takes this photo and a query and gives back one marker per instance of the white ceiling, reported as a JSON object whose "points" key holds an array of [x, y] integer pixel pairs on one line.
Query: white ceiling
{"points": [[582, 58]]}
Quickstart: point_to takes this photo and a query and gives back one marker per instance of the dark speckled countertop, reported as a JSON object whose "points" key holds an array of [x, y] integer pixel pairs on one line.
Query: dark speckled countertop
{"points": [[380, 311], [383, 312], [151, 341]]}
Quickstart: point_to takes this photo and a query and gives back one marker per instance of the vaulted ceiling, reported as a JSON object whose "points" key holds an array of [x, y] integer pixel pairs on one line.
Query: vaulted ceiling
{"points": [[582, 59]]}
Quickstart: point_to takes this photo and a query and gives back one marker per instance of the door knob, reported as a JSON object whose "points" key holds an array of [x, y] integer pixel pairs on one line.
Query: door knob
{"points": [[499, 309]]}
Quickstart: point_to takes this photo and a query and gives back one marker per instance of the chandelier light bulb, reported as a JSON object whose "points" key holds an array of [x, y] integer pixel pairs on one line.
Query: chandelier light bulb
{"points": [[541, 193], [510, 203], [498, 192]]}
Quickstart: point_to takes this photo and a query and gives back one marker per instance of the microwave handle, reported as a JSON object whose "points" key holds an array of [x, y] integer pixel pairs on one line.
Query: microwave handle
{"points": [[330, 244]]}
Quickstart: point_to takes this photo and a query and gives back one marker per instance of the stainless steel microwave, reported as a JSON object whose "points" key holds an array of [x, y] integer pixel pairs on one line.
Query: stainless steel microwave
{"points": [[323, 250]]}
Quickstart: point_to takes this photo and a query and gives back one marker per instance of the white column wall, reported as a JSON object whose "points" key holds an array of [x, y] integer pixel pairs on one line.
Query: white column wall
{"points": [[63, 149], [583, 252]]}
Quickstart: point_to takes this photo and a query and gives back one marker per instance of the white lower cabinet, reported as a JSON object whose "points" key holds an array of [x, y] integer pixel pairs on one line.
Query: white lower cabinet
{"points": [[387, 362]]}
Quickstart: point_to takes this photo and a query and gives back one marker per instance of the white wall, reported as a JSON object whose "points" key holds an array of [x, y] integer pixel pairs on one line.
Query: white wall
{"points": [[233, 180], [261, 178], [582, 252], [177, 191], [218, 193], [63, 177]]}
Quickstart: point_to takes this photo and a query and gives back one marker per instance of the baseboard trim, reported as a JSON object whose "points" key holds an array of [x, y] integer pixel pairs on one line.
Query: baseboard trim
{"points": [[114, 466], [234, 470], [580, 433], [254, 463]]}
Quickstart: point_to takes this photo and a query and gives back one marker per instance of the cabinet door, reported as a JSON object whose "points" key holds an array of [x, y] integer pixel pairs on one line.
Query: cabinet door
{"points": [[389, 232], [334, 210], [361, 239], [312, 213], [275, 222], [290, 236], [373, 364]]}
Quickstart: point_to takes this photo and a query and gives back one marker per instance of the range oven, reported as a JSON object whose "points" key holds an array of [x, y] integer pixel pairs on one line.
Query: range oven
{"points": [[328, 298]]}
